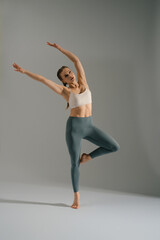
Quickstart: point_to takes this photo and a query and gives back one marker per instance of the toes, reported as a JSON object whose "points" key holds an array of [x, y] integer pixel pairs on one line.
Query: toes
{"points": [[82, 156], [74, 206]]}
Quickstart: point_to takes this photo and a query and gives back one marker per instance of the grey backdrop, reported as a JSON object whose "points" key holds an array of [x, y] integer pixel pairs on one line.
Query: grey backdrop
{"points": [[118, 44]]}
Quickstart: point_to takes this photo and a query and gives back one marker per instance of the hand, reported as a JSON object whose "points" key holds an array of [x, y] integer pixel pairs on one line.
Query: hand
{"points": [[18, 68], [54, 45]]}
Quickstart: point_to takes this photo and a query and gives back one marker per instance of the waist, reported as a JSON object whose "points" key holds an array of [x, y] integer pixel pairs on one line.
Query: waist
{"points": [[73, 117], [82, 111], [78, 124]]}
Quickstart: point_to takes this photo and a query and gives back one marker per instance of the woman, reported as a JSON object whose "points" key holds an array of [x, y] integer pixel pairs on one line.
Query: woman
{"points": [[80, 123]]}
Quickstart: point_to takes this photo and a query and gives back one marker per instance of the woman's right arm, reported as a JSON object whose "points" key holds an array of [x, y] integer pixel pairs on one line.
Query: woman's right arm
{"points": [[54, 86]]}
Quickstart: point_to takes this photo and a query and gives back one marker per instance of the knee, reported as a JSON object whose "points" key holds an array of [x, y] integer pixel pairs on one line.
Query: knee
{"points": [[75, 164], [115, 147]]}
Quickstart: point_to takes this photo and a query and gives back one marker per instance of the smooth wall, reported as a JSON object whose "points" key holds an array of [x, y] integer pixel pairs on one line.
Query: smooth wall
{"points": [[118, 45]]}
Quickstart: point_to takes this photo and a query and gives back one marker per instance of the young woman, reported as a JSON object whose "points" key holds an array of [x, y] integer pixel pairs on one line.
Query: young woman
{"points": [[79, 124]]}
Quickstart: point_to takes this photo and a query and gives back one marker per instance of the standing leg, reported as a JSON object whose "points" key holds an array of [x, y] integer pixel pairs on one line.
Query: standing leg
{"points": [[74, 148], [106, 142], [74, 133]]}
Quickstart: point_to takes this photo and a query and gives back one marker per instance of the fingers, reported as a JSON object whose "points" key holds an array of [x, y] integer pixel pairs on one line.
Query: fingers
{"points": [[17, 68], [49, 43], [15, 65], [52, 44]]}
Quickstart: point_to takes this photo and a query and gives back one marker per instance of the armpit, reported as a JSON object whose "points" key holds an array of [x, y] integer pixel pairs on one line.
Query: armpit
{"points": [[66, 93]]}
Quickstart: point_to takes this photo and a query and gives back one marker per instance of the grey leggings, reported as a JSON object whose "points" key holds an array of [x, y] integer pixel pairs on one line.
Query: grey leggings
{"points": [[78, 128]]}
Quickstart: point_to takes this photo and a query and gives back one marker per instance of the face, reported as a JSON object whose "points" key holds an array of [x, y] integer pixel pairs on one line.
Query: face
{"points": [[68, 76]]}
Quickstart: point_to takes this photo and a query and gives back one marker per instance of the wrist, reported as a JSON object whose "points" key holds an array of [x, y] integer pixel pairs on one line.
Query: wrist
{"points": [[60, 48]]}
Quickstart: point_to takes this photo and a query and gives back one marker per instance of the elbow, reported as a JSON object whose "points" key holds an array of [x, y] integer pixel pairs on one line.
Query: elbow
{"points": [[76, 59]]}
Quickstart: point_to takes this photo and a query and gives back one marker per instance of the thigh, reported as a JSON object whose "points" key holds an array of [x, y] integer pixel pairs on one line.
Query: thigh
{"points": [[74, 142], [101, 138]]}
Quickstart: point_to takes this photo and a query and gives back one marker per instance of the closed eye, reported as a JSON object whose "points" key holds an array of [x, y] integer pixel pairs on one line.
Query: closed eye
{"points": [[67, 74]]}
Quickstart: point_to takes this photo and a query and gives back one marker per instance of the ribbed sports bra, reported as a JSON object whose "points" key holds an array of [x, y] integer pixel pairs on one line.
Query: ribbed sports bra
{"points": [[79, 99]]}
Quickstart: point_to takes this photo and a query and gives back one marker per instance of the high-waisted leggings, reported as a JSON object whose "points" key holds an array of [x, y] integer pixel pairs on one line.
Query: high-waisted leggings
{"points": [[78, 128]]}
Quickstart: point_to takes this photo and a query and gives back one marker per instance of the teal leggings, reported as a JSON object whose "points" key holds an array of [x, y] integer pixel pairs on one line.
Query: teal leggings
{"points": [[78, 128]]}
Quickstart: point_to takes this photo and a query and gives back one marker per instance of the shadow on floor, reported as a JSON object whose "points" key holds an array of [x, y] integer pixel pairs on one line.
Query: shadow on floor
{"points": [[30, 202]]}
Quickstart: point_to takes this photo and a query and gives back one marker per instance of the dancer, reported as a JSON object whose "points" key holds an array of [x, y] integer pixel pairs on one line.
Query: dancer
{"points": [[79, 124]]}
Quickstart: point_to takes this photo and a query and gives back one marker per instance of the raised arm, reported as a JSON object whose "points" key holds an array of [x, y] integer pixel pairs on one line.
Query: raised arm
{"points": [[78, 65], [54, 86]]}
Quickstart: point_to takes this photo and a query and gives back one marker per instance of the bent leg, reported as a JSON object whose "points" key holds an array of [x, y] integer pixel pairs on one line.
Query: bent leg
{"points": [[106, 142]]}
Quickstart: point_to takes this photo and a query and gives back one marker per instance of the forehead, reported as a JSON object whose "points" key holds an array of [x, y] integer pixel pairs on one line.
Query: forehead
{"points": [[65, 70]]}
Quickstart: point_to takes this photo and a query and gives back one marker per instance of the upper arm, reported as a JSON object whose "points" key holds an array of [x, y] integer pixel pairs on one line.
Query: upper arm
{"points": [[80, 72], [54, 86], [60, 89]]}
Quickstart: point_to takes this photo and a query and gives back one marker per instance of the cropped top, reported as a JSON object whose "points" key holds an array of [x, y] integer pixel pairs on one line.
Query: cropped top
{"points": [[79, 99]]}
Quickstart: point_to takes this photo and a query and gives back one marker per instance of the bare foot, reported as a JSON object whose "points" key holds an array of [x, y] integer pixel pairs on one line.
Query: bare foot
{"points": [[85, 158], [76, 202]]}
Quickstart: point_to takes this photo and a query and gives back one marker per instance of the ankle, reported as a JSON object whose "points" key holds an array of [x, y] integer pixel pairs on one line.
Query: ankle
{"points": [[76, 193]]}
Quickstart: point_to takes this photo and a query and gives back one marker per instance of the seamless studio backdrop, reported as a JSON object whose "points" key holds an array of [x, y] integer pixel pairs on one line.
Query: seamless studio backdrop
{"points": [[118, 45]]}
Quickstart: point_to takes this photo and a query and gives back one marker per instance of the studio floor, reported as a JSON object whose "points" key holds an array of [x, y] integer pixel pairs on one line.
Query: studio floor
{"points": [[34, 212]]}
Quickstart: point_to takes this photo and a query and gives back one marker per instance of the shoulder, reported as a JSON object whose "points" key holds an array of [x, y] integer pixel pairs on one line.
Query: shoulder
{"points": [[84, 86]]}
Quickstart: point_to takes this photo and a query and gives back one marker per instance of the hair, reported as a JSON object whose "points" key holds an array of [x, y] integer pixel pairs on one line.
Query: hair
{"points": [[60, 78]]}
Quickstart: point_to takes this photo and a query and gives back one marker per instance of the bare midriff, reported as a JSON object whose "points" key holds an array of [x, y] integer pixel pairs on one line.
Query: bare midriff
{"points": [[82, 111]]}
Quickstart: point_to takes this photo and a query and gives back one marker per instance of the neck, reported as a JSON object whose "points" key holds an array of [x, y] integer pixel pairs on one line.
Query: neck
{"points": [[74, 85]]}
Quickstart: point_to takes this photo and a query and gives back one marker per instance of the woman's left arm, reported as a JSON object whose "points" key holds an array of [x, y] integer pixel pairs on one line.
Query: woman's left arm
{"points": [[80, 70]]}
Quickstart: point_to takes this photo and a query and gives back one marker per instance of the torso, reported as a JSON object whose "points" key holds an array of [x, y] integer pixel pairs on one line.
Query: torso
{"points": [[81, 111]]}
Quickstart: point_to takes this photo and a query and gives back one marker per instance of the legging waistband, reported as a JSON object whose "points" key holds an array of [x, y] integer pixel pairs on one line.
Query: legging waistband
{"points": [[80, 117], [80, 120]]}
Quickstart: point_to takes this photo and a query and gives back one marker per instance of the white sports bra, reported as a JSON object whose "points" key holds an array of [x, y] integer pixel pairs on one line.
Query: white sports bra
{"points": [[79, 99]]}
